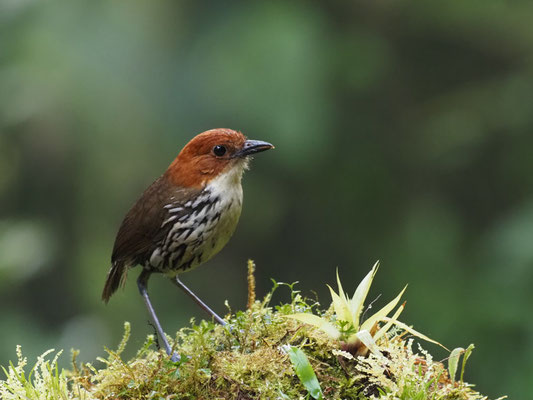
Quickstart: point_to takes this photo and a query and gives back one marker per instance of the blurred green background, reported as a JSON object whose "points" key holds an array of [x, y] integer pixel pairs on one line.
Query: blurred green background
{"points": [[403, 133]]}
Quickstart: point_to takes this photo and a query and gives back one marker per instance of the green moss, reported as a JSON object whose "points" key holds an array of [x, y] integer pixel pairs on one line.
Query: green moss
{"points": [[247, 359]]}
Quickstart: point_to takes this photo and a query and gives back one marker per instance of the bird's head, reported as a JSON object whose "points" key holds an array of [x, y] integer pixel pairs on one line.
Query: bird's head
{"points": [[212, 153]]}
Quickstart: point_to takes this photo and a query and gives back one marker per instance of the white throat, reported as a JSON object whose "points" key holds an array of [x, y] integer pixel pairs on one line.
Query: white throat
{"points": [[228, 184]]}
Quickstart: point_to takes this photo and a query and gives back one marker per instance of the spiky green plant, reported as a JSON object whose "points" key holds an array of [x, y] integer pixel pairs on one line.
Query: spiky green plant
{"points": [[355, 336]]}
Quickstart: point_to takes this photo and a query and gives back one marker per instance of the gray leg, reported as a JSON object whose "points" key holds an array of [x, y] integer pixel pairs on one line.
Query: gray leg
{"points": [[142, 283], [204, 306]]}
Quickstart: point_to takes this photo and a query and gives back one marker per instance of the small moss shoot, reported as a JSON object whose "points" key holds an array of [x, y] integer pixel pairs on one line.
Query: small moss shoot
{"points": [[246, 359], [251, 284]]}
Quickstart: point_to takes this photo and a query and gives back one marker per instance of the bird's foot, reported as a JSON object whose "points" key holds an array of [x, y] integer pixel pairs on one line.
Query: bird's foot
{"points": [[175, 357]]}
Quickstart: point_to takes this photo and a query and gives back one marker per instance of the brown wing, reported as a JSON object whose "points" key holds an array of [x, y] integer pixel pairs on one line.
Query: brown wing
{"points": [[141, 230]]}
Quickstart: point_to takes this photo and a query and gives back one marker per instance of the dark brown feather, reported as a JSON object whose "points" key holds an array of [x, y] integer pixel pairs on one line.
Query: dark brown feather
{"points": [[141, 230]]}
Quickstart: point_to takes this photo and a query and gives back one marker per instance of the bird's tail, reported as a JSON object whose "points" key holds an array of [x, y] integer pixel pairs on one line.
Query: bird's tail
{"points": [[115, 278]]}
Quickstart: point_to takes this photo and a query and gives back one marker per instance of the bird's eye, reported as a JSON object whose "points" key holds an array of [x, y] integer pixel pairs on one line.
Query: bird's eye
{"points": [[219, 150]]}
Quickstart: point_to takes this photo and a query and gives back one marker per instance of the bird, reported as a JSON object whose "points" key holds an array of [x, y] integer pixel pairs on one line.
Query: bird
{"points": [[185, 217]]}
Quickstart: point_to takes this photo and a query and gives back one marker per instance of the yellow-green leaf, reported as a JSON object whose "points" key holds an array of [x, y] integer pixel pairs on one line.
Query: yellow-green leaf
{"points": [[360, 294], [378, 316], [414, 332], [385, 328], [366, 338], [321, 323], [467, 354], [453, 361], [341, 307], [341, 290]]}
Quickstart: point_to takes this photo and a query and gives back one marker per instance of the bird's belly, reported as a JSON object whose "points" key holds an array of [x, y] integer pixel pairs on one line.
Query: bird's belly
{"points": [[214, 237], [197, 239]]}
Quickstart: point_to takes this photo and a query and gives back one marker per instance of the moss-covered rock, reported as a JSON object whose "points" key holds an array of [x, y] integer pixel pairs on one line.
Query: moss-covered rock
{"points": [[247, 359]]}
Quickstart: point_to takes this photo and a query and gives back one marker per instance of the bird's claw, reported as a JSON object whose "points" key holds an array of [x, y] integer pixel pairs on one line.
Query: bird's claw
{"points": [[175, 357]]}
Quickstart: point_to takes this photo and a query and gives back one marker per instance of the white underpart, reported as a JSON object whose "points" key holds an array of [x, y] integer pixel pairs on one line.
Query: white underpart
{"points": [[227, 187], [207, 239]]}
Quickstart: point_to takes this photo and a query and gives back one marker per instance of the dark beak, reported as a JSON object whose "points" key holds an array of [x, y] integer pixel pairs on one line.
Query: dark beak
{"points": [[253, 146]]}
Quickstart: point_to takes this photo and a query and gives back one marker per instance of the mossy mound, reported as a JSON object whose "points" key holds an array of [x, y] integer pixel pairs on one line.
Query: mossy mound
{"points": [[246, 359]]}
